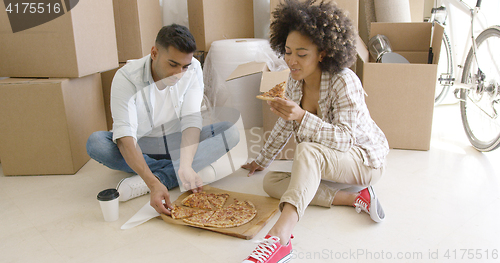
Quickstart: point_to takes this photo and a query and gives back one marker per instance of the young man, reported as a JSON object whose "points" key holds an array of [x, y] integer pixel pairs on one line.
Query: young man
{"points": [[157, 124]]}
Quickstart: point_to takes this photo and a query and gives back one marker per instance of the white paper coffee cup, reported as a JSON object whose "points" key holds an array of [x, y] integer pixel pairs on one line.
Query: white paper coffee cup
{"points": [[108, 199]]}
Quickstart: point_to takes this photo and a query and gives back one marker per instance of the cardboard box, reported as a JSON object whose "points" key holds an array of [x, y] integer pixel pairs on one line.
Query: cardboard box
{"points": [[45, 123], [76, 44], [350, 6], [268, 80], [211, 20], [137, 25], [401, 96], [106, 80]]}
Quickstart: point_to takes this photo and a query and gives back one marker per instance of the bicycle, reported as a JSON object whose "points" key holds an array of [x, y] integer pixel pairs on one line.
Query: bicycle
{"points": [[478, 91]]}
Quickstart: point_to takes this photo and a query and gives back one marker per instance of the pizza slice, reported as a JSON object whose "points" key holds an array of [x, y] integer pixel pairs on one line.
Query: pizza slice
{"points": [[197, 200], [218, 200], [180, 212], [200, 219], [222, 218], [277, 91], [241, 212]]}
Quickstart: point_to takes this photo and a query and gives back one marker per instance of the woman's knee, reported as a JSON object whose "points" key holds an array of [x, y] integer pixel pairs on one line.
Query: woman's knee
{"points": [[276, 183], [306, 150]]}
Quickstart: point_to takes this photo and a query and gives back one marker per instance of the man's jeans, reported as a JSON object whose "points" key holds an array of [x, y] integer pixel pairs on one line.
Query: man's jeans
{"points": [[215, 141]]}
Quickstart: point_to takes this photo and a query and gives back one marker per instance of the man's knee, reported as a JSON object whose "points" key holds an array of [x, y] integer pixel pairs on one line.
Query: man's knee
{"points": [[95, 141]]}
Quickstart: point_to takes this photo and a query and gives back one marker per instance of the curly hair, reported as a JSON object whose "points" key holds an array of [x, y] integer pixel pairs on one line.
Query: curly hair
{"points": [[327, 26]]}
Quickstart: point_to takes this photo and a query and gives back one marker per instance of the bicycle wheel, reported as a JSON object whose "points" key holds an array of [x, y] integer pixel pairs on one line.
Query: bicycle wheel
{"points": [[479, 105], [445, 71]]}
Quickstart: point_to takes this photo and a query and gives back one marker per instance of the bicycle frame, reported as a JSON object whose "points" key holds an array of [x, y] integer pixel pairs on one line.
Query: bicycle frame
{"points": [[471, 13]]}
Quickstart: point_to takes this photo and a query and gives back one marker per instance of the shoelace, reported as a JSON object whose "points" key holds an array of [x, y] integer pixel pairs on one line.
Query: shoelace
{"points": [[265, 248], [360, 205]]}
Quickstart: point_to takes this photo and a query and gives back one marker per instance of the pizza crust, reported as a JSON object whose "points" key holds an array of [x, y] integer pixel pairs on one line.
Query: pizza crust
{"points": [[260, 97]]}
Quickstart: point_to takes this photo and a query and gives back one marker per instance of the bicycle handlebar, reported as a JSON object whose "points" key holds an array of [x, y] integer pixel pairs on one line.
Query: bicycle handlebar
{"points": [[478, 3]]}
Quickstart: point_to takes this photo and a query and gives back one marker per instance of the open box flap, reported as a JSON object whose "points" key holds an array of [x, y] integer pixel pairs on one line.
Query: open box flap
{"points": [[362, 50], [272, 78], [248, 69], [269, 78]]}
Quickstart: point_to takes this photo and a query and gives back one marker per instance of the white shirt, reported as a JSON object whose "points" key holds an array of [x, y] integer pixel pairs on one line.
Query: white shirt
{"points": [[139, 108], [164, 114]]}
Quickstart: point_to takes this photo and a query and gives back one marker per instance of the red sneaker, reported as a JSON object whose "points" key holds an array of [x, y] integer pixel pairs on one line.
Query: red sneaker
{"points": [[367, 201], [270, 250]]}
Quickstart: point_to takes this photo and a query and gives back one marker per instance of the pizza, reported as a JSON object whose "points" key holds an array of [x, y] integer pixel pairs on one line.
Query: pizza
{"points": [[204, 200], [197, 200], [277, 91], [199, 219], [180, 212], [211, 212], [234, 215], [218, 200]]}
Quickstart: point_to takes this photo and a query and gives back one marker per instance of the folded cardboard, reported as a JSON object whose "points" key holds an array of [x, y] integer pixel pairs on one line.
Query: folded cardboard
{"points": [[211, 20], [45, 123], [269, 79], [350, 6], [78, 43], [401, 96], [137, 24], [107, 79]]}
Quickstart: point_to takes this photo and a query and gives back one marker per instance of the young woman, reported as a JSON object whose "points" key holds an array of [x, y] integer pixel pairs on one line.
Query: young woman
{"points": [[339, 145]]}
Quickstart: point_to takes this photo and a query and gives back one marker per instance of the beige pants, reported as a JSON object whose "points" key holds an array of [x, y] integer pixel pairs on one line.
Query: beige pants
{"points": [[318, 173]]}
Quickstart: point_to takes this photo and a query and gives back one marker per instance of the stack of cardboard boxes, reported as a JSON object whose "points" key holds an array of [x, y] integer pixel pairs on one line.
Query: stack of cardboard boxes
{"points": [[53, 99], [137, 24], [212, 20]]}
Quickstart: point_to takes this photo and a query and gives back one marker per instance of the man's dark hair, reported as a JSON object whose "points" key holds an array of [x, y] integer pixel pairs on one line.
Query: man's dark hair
{"points": [[177, 36], [327, 26]]}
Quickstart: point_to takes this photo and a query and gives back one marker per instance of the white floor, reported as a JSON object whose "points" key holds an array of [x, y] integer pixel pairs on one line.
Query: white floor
{"points": [[441, 205]]}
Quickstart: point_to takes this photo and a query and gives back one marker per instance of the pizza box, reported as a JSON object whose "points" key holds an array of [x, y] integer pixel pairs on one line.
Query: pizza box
{"points": [[266, 209], [269, 78]]}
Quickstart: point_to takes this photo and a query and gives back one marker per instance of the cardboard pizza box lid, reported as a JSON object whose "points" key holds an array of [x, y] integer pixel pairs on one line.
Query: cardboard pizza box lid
{"points": [[269, 78]]}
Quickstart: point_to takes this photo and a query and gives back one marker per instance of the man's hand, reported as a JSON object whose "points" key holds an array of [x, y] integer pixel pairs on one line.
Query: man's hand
{"points": [[159, 193], [287, 109], [190, 179], [252, 167]]}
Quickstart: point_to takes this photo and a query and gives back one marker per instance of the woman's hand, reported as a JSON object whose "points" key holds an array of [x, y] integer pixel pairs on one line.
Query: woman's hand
{"points": [[252, 167], [287, 109]]}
